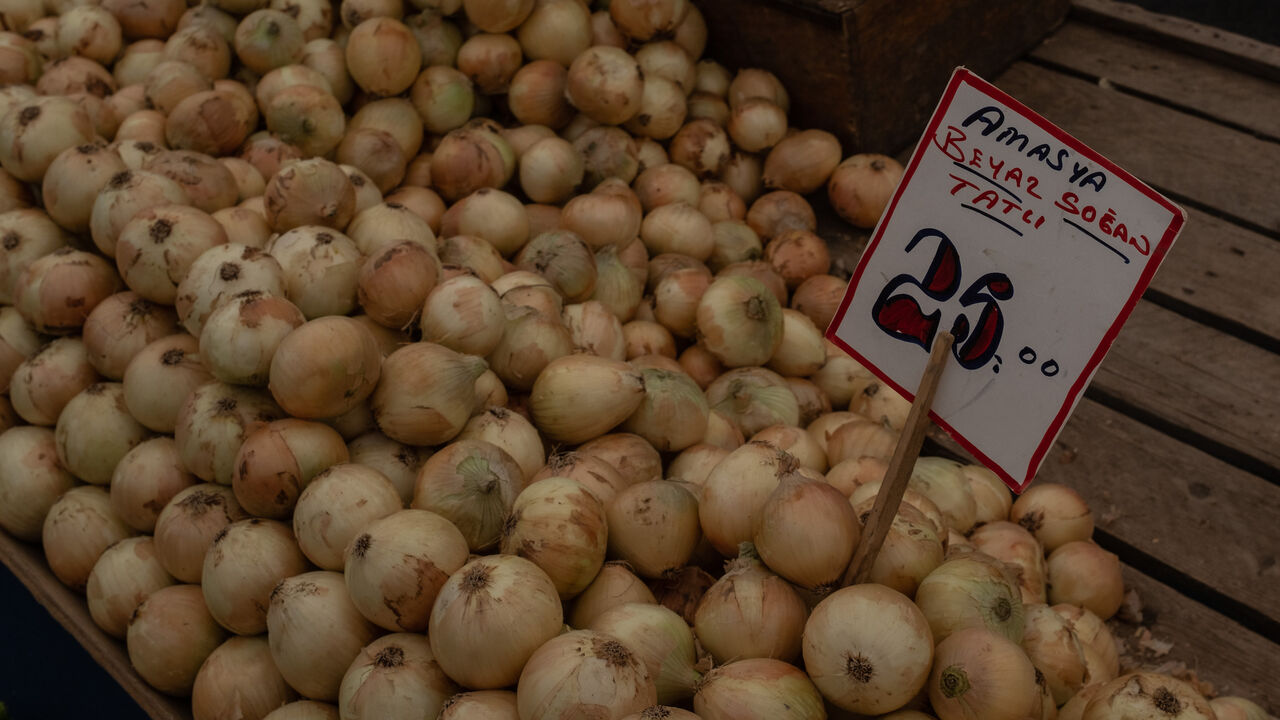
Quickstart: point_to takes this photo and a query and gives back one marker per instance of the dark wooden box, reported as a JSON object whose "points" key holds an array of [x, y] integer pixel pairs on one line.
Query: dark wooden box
{"points": [[871, 71]]}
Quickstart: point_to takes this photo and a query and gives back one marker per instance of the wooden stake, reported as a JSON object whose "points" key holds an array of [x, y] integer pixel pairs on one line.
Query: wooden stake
{"points": [[904, 461]]}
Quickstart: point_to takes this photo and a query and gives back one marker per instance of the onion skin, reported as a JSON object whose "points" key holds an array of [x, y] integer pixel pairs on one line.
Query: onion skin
{"points": [[125, 574], [78, 528], [654, 526], [758, 689], [584, 673], [314, 663], [1081, 573], [247, 559], [978, 675], [239, 679], [170, 635], [750, 612], [395, 677], [560, 526], [33, 480], [1148, 695]]}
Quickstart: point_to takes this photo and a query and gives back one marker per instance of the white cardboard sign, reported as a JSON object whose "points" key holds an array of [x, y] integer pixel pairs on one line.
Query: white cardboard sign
{"points": [[1029, 246]]}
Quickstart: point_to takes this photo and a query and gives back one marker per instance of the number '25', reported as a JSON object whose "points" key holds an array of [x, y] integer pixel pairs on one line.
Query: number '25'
{"points": [[900, 315]]}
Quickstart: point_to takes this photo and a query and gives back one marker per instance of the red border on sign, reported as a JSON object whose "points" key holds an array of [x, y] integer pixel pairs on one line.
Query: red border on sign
{"points": [[963, 76]]}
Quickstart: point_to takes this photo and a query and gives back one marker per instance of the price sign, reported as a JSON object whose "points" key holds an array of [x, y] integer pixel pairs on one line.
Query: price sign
{"points": [[1029, 247]]}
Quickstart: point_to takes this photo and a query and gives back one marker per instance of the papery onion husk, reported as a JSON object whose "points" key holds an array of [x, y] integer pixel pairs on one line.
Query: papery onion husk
{"points": [[169, 637], [473, 484], [489, 617], [125, 574], [314, 663], [860, 187], [608, 153], [635, 458], [577, 397], [187, 526], [1148, 695], [805, 533], [241, 568], [942, 482], [1101, 656], [752, 399], [662, 642], [739, 321], [565, 260], [426, 393], [394, 677], [682, 590], [32, 482], [155, 249], [868, 649], [1013, 545], [466, 161], [673, 414], [824, 427], [490, 60], [580, 673], [720, 203], [972, 591], [980, 674], [207, 182], [1053, 648], [309, 192], [1054, 513], [654, 526], [756, 689], [736, 491], [561, 527], [750, 612], [912, 548], [796, 441], [1081, 573], [702, 147], [43, 383], [614, 586], [239, 679], [676, 299], [94, 431], [213, 422], [336, 506]]}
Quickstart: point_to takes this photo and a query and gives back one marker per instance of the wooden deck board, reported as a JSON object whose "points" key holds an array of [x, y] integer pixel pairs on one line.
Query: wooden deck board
{"points": [[1192, 512], [1235, 660], [69, 609], [1211, 165], [1203, 87], [1194, 377]]}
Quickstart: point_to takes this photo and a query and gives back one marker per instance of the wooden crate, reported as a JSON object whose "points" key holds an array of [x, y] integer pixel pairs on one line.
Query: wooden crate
{"points": [[871, 71]]}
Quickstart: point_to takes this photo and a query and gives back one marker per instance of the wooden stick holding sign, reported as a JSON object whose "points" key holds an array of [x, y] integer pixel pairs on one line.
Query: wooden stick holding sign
{"points": [[900, 466]]}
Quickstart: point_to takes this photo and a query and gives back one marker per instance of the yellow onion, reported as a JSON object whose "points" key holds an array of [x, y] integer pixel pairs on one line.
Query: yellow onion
{"points": [[490, 60], [796, 441], [1053, 648], [532, 339], [991, 496], [635, 459], [561, 527], [426, 393], [740, 321], [912, 548], [608, 153], [609, 215], [481, 705], [818, 297], [304, 116], [595, 330], [583, 671], [880, 403], [864, 496], [491, 215], [798, 255], [736, 491], [239, 339], [33, 481], [314, 663], [464, 314], [28, 234], [698, 363], [213, 422], [56, 292], [473, 484], [670, 61], [1142, 695], [941, 481], [753, 399], [779, 211], [247, 559], [1229, 707], [94, 431], [667, 184], [702, 147], [805, 533], [972, 591], [662, 109], [74, 179], [213, 122], [604, 32], [155, 249], [860, 187], [43, 383], [395, 676], [336, 505], [220, 273], [757, 124], [556, 30], [848, 476], [1101, 655], [121, 326], [682, 590], [169, 637], [605, 84], [125, 574], [550, 170], [577, 397], [490, 616], [512, 433], [755, 83], [641, 21], [564, 260], [266, 39], [304, 710], [842, 377], [694, 464], [707, 106], [801, 351], [239, 678], [1081, 573], [756, 689], [614, 586], [673, 412], [376, 154], [980, 674], [78, 528], [467, 160], [661, 641], [802, 162], [187, 526], [35, 131], [1054, 513], [309, 192], [653, 526], [720, 203], [1013, 545], [868, 649], [421, 201], [325, 367]]}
